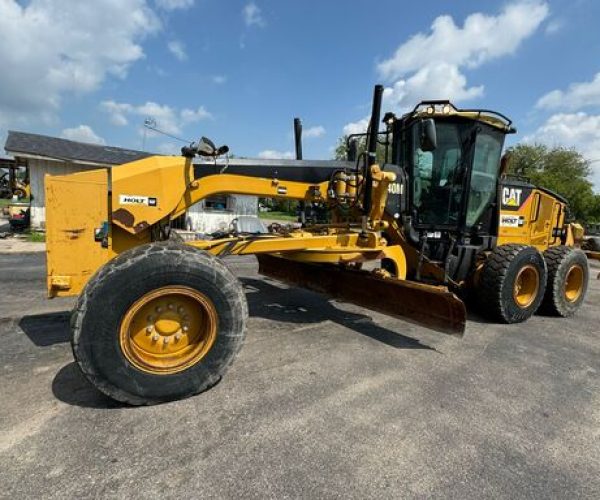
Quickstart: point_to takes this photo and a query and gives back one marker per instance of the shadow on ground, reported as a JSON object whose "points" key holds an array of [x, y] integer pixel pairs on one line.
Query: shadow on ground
{"points": [[46, 329], [295, 305], [71, 387]]}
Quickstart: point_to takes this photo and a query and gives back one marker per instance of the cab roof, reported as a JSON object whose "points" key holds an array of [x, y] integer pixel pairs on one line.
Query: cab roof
{"points": [[433, 109]]}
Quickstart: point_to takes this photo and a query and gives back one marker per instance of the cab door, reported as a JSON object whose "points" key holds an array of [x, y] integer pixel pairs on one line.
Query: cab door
{"points": [[545, 217]]}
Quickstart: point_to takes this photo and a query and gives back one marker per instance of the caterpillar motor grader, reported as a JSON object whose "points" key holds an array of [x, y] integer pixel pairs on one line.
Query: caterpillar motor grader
{"points": [[158, 319]]}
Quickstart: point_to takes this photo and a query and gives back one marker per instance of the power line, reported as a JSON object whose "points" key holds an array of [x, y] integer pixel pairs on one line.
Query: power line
{"points": [[150, 124]]}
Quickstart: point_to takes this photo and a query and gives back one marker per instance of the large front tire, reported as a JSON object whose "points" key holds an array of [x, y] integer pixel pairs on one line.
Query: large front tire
{"points": [[159, 322], [512, 283]]}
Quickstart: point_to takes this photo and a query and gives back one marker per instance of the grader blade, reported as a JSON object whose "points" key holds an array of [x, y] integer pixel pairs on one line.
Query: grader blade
{"points": [[430, 306]]}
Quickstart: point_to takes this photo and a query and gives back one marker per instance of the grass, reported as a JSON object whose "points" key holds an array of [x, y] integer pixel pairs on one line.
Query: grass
{"points": [[4, 202], [36, 237], [278, 216]]}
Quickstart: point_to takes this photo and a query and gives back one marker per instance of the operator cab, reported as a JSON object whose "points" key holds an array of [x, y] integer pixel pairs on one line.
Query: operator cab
{"points": [[452, 161]]}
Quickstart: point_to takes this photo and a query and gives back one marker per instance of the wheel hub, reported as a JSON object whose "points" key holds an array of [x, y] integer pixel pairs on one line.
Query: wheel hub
{"points": [[168, 330], [574, 283], [526, 286]]}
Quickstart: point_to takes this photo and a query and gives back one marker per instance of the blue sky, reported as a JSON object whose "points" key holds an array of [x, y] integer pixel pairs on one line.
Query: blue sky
{"points": [[239, 71]]}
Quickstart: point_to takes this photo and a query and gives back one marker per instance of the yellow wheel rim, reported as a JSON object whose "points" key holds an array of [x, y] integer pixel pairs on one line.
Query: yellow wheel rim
{"points": [[574, 283], [526, 286], [168, 330]]}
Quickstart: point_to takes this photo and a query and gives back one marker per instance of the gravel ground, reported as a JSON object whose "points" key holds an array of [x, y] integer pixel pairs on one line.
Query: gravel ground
{"points": [[325, 400]]}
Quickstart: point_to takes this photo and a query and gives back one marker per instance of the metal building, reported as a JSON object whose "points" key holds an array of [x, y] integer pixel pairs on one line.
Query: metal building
{"points": [[52, 155]]}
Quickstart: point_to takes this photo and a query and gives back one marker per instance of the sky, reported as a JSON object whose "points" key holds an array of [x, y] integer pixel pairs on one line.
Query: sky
{"points": [[238, 72]]}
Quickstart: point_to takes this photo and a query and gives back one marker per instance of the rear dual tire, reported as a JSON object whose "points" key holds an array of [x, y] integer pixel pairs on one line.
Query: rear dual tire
{"points": [[159, 322], [568, 276], [517, 280]]}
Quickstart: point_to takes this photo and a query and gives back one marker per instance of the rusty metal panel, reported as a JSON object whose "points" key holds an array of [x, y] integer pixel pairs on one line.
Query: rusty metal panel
{"points": [[76, 205]]}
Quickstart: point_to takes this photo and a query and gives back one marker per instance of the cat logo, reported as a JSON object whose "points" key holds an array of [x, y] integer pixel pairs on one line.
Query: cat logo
{"points": [[511, 197]]}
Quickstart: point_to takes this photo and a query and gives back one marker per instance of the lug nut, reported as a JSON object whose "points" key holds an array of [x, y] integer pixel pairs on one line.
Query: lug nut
{"points": [[150, 319], [177, 337], [185, 328], [180, 309], [155, 337], [170, 306], [166, 341], [148, 329]]}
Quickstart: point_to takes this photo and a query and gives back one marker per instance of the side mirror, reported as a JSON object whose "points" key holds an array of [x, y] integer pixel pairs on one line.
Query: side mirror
{"points": [[352, 150], [428, 135]]}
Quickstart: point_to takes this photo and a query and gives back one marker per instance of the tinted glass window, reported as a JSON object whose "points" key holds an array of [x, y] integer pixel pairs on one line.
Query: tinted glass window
{"points": [[484, 175], [437, 175]]}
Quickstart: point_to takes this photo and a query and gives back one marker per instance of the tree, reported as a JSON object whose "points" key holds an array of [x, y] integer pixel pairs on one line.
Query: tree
{"points": [[559, 169], [341, 150]]}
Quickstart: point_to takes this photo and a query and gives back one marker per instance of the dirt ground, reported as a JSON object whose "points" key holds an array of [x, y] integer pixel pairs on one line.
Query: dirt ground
{"points": [[325, 400]]}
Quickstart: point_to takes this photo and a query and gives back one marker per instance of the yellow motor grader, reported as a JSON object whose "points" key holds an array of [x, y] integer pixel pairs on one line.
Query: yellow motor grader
{"points": [[158, 319]]}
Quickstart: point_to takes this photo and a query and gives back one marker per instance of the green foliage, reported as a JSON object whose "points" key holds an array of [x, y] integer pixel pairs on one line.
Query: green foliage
{"points": [[341, 151], [285, 216], [562, 170], [279, 205], [36, 237]]}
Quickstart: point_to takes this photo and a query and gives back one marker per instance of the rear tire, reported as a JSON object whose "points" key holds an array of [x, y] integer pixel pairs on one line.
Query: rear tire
{"points": [[512, 283], [568, 276], [159, 322]]}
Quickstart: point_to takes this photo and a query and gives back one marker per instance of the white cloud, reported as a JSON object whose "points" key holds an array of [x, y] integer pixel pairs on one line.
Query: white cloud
{"points": [[317, 131], [192, 116], [82, 133], [480, 39], [177, 48], [253, 15], [173, 4], [554, 26], [219, 79], [577, 96], [270, 154], [443, 81], [358, 127], [165, 116], [117, 112], [53, 48], [430, 65], [578, 130], [168, 119]]}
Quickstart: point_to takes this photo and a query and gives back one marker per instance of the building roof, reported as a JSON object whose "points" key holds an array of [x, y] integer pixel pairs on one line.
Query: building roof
{"points": [[25, 144]]}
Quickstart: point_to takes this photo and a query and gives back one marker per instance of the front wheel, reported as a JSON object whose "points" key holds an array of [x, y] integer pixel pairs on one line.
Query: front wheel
{"points": [[162, 321]]}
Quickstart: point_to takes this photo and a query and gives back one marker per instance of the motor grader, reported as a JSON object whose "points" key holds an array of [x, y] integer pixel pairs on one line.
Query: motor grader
{"points": [[158, 319]]}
